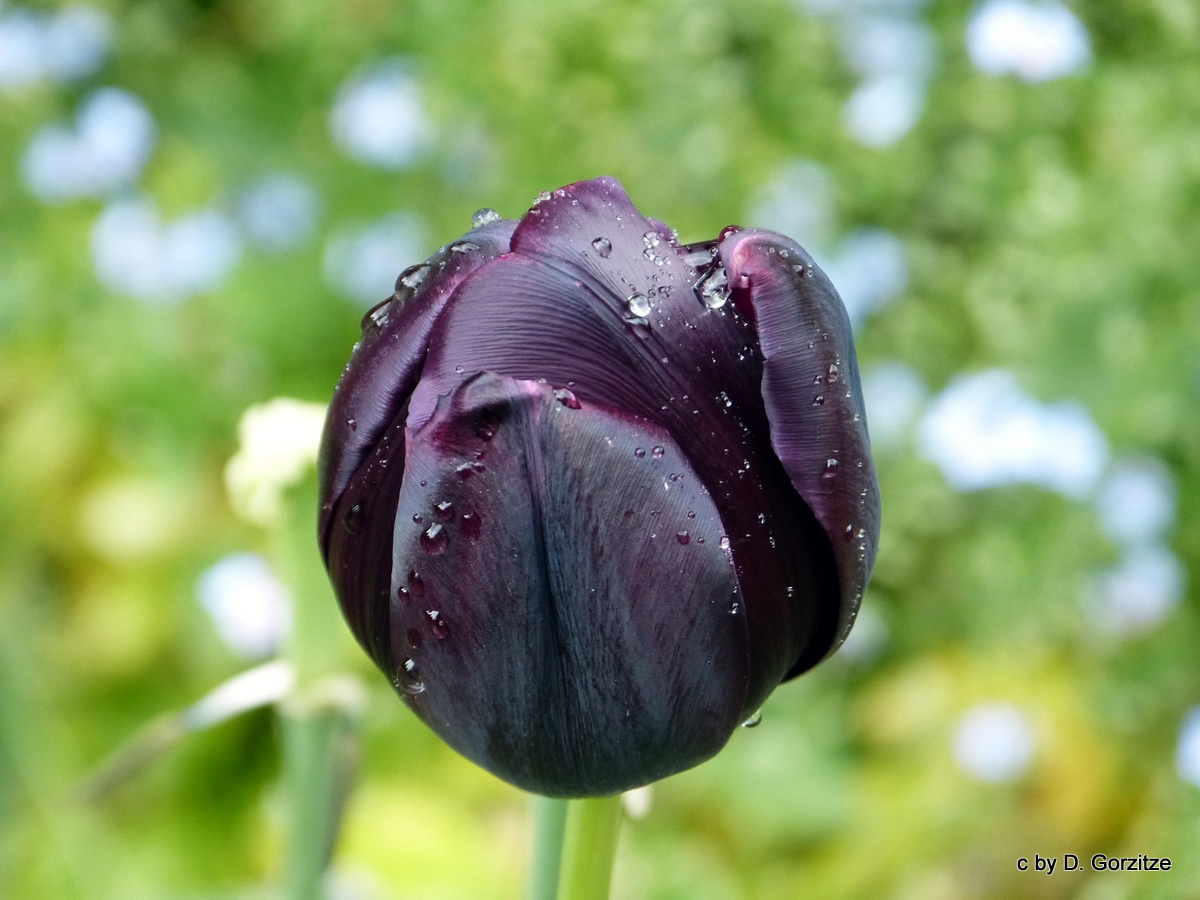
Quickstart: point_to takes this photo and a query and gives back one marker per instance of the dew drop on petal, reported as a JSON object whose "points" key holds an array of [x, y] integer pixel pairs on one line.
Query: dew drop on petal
{"points": [[603, 246], [658, 452], [683, 537], [485, 216], [416, 585], [444, 511], [471, 525], [640, 452], [410, 678], [724, 542], [352, 518], [567, 398], [437, 624], [754, 721], [831, 468], [639, 305], [434, 539]]}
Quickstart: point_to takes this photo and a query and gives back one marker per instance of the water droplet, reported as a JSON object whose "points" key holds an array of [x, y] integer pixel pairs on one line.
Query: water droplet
{"points": [[414, 638], [762, 518], [444, 511], [463, 247], [542, 197], [831, 468], [603, 246], [458, 370], [416, 585], [713, 287], [639, 305], [353, 424], [411, 279], [833, 373], [724, 545], [485, 216], [754, 721], [434, 539], [378, 315], [487, 426], [418, 518], [437, 624], [728, 230], [471, 525], [410, 678], [683, 537], [849, 533], [640, 452], [691, 515], [651, 239], [658, 452], [403, 595], [567, 398], [819, 400], [352, 518]]}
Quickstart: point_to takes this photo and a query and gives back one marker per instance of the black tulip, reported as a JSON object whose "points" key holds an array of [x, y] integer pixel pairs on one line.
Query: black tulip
{"points": [[589, 495]]}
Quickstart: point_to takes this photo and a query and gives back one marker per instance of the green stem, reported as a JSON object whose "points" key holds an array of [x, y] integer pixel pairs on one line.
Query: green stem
{"points": [[549, 821], [593, 826]]}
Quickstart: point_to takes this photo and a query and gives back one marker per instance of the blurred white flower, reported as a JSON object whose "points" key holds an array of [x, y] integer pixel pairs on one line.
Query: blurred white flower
{"points": [[362, 262], [106, 150], [378, 117], [62, 47], [867, 638], [1187, 754], [869, 270], [263, 685], [135, 253], [797, 202], [1136, 502], [280, 212], [278, 441], [1136, 595], [249, 606], [894, 394], [884, 109], [1034, 41], [994, 742], [984, 431]]}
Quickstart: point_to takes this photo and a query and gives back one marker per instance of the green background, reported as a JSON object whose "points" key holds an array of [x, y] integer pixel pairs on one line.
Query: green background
{"points": [[1052, 229]]}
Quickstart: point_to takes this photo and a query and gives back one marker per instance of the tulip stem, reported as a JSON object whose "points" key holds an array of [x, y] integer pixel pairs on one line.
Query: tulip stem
{"points": [[549, 821], [590, 846]]}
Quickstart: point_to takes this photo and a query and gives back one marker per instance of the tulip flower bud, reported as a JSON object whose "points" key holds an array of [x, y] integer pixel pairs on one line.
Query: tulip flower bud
{"points": [[589, 496]]}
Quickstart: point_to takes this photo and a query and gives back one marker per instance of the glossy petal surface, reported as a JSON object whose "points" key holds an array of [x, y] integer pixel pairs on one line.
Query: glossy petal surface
{"points": [[813, 397], [564, 611]]}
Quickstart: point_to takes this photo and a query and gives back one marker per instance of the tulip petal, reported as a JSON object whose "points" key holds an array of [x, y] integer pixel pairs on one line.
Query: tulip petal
{"points": [[564, 611], [813, 398], [387, 362]]}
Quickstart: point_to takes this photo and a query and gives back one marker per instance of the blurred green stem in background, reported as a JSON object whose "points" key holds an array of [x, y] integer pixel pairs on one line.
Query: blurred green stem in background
{"points": [[590, 846], [549, 823], [319, 724]]}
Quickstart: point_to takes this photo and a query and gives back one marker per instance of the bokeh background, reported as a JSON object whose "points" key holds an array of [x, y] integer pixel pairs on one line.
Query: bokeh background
{"points": [[199, 200]]}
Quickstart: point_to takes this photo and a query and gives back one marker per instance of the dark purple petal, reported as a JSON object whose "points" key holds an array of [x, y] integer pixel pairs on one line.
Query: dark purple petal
{"points": [[386, 363], [563, 610], [813, 398], [558, 307]]}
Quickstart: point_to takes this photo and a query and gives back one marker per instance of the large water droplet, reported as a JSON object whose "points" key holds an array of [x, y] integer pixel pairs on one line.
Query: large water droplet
{"points": [[444, 511], [434, 539], [411, 279], [416, 585], [754, 721], [603, 246], [639, 305], [485, 216], [409, 678], [683, 537], [377, 316], [353, 518], [713, 287]]}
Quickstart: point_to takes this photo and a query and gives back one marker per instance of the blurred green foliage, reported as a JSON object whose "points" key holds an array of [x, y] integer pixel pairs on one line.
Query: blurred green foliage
{"points": [[1053, 229]]}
